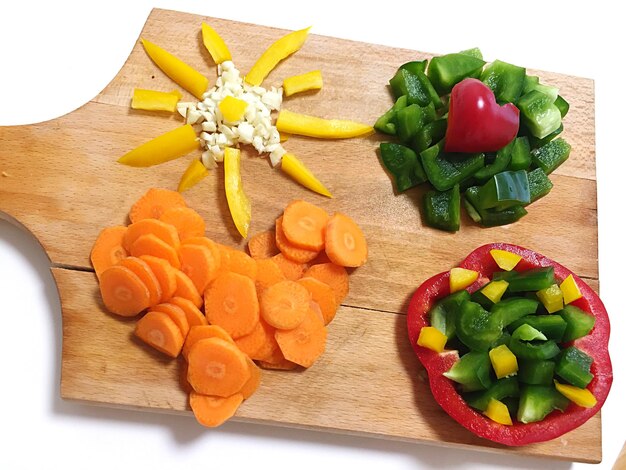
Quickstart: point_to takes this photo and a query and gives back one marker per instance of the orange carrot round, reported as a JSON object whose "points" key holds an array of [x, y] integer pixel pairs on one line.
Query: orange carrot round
{"points": [[108, 249], [196, 333], [304, 224], [187, 221], [333, 275], [165, 274], [242, 263], [304, 344], [209, 244], [159, 331], [160, 229], [212, 411], [345, 242], [154, 202], [291, 269], [194, 315], [176, 314], [217, 367], [263, 245], [123, 293], [323, 295], [268, 273], [186, 289], [152, 245], [299, 255], [197, 262], [284, 304], [231, 302], [147, 276], [253, 382]]}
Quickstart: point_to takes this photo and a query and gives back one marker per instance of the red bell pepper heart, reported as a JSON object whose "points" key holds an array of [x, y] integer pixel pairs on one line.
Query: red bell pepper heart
{"points": [[476, 123], [595, 344]]}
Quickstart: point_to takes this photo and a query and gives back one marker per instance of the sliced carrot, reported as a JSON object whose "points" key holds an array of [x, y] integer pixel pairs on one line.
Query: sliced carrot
{"points": [[108, 249], [159, 331], [162, 230], [304, 224], [196, 333], [251, 343], [194, 315], [154, 202], [268, 273], [152, 245], [253, 382], [299, 255], [186, 289], [333, 275], [176, 314], [345, 242], [292, 270], [123, 293], [217, 367], [147, 276], [242, 263], [322, 257], [284, 304], [165, 274], [225, 252], [208, 243], [263, 245], [187, 221], [212, 411], [318, 311], [323, 295], [305, 343], [197, 262], [231, 302]]}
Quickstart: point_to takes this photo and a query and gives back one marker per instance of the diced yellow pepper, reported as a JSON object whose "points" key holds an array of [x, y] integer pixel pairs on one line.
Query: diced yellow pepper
{"points": [[278, 51], [186, 76], [238, 202], [581, 396], [215, 44], [152, 100], [460, 278], [305, 82], [495, 290], [551, 298], [498, 412], [193, 174], [570, 290], [311, 126], [431, 338], [291, 165], [166, 147], [505, 259], [232, 108], [503, 361]]}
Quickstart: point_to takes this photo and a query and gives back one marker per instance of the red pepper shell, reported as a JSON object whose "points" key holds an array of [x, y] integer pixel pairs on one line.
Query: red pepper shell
{"points": [[595, 344]]}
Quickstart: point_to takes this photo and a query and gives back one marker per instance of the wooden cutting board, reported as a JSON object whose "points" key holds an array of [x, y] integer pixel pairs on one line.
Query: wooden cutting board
{"points": [[61, 182]]}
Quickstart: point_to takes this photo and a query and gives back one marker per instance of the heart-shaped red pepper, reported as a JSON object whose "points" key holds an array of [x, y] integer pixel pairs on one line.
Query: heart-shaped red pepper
{"points": [[476, 122]]}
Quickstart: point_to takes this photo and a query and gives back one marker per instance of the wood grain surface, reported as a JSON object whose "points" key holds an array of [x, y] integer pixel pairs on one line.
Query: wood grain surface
{"points": [[64, 186]]}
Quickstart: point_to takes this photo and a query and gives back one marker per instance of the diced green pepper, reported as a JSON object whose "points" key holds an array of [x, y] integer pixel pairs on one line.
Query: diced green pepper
{"points": [[562, 105], [552, 326], [444, 170], [446, 71], [529, 343], [579, 323], [550, 156], [442, 209], [476, 327], [502, 388], [387, 122], [536, 142], [415, 66], [505, 80], [491, 217], [430, 132], [574, 367], [473, 52], [539, 113], [407, 83], [539, 184], [503, 157], [529, 280], [537, 401], [511, 310], [520, 154], [442, 316], [504, 189], [535, 372], [403, 164], [472, 371], [409, 121]]}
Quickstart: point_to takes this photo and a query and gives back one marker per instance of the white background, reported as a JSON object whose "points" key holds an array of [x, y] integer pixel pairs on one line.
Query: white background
{"points": [[55, 56]]}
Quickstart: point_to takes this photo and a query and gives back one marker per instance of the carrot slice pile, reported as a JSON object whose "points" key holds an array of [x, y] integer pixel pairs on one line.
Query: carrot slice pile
{"points": [[227, 313]]}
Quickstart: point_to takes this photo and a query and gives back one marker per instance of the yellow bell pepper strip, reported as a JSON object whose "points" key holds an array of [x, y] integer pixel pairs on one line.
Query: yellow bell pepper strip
{"points": [[169, 146], [570, 290], [152, 100], [311, 126], [291, 165], [498, 412], [460, 278], [215, 45], [431, 338], [581, 396], [192, 175], [186, 76], [305, 82], [505, 259], [279, 50], [551, 298], [232, 108], [503, 361], [495, 290], [238, 202]]}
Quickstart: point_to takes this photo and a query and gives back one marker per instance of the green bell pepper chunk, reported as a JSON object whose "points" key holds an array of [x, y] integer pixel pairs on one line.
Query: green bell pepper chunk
{"points": [[562, 105], [443, 314], [502, 388], [574, 367], [505, 80], [550, 156], [403, 164], [473, 52], [511, 310], [430, 132], [539, 184], [472, 371], [535, 372], [444, 170], [530, 280], [476, 327], [387, 122], [502, 160], [415, 66], [537, 401], [529, 343], [409, 121], [552, 326], [442, 209], [504, 189], [520, 154], [490, 217], [446, 71], [407, 83], [539, 113], [579, 323]]}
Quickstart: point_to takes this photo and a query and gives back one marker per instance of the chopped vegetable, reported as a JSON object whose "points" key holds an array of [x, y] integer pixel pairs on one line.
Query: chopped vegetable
{"points": [[431, 338], [238, 202], [503, 361], [123, 293], [153, 203], [232, 109], [345, 241], [291, 165], [570, 290], [551, 298], [305, 343], [152, 100], [215, 44], [460, 278], [498, 412], [169, 146], [300, 83], [158, 330], [194, 173], [311, 126], [187, 222], [580, 396], [304, 224], [212, 411], [108, 249]]}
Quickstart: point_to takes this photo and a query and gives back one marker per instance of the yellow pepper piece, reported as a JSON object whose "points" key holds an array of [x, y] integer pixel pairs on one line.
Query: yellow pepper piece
{"points": [[581, 396], [460, 278], [291, 165], [232, 108], [311, 126], [505, 259], [498, 412], [186, 76], [495, 290], [305, 82], [169, 146], [151, 100], [238, 202], [503, 361], [551, 298], [570, 290], [192, 176], [431, 338], [279, 50], [283, 137], [215, 44]]}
